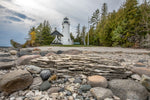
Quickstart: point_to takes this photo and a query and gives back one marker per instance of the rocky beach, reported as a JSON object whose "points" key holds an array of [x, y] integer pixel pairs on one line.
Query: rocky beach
{"points": [[74, 73]]}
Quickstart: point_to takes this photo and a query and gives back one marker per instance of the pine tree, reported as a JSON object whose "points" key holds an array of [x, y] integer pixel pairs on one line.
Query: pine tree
{"points": [[43, 34], [95, 18], [78, 37]]}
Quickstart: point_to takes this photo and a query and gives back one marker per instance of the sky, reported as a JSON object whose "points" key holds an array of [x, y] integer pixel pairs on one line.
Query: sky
{"points": [[18, 16]]}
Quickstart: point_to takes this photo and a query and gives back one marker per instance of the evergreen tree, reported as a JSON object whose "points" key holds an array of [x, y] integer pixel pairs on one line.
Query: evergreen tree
{"points": [[43, 34], [95, 18], [78, 37], [72, 37], [104, 12], [127, 27]]}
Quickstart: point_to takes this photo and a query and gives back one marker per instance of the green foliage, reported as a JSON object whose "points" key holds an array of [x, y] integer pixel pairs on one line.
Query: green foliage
{"points": [[124, 28], [95, 18], [43, 34], [72, 37], [78, 38]]}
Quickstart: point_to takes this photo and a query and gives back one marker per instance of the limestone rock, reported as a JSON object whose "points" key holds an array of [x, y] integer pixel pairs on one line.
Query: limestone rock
{"points": [[4, 54], [141, 70], [16, 80], [101, 93], [25, 59], [97, 81], [145, 81], [8, 65], [33, 69], [128, 89]]}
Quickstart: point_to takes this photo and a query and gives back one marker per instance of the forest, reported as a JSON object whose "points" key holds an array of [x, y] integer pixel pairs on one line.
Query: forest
{"points": [[127, 27]]}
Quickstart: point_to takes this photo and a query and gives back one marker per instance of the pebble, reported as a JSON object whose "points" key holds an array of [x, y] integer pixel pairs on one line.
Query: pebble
{"points": [[85, 88], [12, 98], [74, 95], [33, 69], [45, 86], [70, 88], [53, 90], [77, 80], [29, 94], [70, 98], [71, 80], [68, 93], [45, 74], [136, 77]]}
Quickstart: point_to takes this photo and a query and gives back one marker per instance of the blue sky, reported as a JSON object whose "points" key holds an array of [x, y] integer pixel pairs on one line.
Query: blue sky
{"points": [[18, 16]]}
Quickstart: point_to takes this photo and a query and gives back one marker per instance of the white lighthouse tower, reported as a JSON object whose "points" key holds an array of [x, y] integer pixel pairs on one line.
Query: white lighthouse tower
{"points": [[66, 40]]}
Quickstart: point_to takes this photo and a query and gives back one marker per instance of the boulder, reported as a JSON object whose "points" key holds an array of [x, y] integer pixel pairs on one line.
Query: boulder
{"points": [[141, 71], [97, 81], [8, 65], [33, 69], [16, 80], [128, 89], [25, 59], [72, 52], [101, 93], [145, 81]]}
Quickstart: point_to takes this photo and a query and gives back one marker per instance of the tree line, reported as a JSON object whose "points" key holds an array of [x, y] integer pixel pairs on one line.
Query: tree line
{"points": [[127, 27]]}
